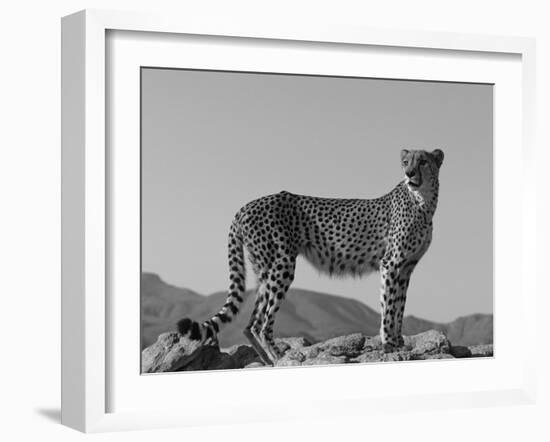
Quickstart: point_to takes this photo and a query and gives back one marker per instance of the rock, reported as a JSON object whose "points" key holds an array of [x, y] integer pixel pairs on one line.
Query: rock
{"points": [[293, 343], [435, 356], [172, 352], [325, 359], [428, 343], [169, 353], [211, 358], [255, 365], [459, 351], [296, 355], [348, 346], [381, 356], [244, 354], [481, 351]]}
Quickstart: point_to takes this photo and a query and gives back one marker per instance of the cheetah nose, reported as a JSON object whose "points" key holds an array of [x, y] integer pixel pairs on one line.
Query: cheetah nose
{"points": [[410, 173]]}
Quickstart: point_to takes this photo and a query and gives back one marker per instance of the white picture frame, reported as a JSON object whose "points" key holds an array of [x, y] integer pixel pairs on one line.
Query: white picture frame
{"points": [[86, 307]]}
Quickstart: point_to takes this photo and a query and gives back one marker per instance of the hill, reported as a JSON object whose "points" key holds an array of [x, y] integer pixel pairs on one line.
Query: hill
{"points": [[311, 315]]}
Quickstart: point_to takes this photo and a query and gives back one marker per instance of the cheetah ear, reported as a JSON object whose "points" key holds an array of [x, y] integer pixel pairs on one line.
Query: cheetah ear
{"points": [[438, 157], [404, 153]]}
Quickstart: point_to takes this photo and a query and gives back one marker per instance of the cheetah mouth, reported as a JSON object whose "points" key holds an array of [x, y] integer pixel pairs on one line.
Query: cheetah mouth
{"points": [[414, 184]]}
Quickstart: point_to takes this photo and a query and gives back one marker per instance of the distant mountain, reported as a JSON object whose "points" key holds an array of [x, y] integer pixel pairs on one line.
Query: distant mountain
{"points": [[466, 330], [315, 316]]}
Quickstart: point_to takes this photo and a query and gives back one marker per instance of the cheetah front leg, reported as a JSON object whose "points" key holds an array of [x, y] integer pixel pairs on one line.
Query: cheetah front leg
{"points": [[388, 295], [401, 298]]}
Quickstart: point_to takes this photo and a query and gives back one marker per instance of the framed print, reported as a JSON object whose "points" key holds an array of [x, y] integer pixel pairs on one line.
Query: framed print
{"points": [[213, 175]]}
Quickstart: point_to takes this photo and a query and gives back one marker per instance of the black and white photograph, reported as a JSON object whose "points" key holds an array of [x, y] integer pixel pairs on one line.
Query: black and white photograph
{"points": [[275, 221], [298, 220]]}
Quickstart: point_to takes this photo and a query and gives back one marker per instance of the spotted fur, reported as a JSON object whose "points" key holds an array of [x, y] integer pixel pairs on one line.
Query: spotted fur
{"points": [[339, 237]]}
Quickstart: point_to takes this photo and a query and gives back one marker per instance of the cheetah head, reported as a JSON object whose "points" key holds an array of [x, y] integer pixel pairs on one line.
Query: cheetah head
{"points": [[421, 168]]}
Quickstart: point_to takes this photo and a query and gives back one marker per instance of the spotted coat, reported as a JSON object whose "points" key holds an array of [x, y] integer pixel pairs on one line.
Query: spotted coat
{"points": [[339, 237]]}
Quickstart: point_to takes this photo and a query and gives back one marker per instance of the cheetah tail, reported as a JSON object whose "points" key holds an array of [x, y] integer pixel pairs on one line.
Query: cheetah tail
{"points": [[207, 332]]}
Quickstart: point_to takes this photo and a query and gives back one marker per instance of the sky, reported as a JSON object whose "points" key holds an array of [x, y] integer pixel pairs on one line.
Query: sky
{"points": [[212, 141]]}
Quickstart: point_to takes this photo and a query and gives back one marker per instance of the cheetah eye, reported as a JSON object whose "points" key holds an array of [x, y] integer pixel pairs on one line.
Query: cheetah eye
{"points": [[423, 162], [405, 163]]}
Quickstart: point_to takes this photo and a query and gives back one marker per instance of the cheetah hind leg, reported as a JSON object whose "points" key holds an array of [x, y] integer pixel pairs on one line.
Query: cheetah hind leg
{"points": [[262, 344], [268, 346], [266, 332], [255, 324], [258, 347]]}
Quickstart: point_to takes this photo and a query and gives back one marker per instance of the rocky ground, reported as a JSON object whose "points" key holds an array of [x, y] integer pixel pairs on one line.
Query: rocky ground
{"points": [[172, 352]]}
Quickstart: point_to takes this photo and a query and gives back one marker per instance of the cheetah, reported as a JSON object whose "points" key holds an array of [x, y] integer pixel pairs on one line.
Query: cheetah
{"points": [[337, 236]]}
